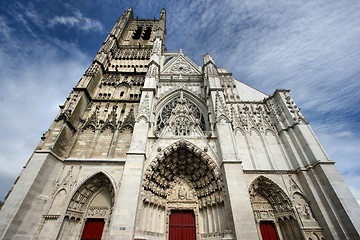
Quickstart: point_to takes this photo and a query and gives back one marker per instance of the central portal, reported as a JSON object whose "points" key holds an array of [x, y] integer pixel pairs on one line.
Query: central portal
{"points": [[182, 225]]}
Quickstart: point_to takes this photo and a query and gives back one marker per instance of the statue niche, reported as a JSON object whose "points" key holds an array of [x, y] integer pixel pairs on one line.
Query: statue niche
{"points": [[311, 227]]}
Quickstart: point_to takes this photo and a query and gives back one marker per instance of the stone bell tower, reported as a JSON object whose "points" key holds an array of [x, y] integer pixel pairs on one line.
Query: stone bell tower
{"points": [[149, 145]]}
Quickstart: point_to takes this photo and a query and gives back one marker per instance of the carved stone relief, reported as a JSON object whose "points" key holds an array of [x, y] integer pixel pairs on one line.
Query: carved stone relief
{"points": [[276, 109], [262, 208], [304, 211], [181, 191], [183, 159], [270, 191], [180, 66], [294, 110], [252, 115]]}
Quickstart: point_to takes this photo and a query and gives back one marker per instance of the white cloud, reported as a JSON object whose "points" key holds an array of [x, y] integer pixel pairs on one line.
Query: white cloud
{"points": [[31, 89], [5, 30], [77, 20]]}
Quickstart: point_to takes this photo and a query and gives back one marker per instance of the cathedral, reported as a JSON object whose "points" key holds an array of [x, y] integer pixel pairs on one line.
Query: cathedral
{"points": [[149, 145]]}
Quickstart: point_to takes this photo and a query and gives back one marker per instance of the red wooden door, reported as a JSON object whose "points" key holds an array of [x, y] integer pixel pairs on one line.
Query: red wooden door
{"points": [[182, 225], [268, 231], [93, 229]]}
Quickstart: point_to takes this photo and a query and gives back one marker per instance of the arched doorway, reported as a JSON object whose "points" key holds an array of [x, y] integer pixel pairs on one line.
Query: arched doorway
{"points": [[182, 178], [273, 211], [88, 214]]}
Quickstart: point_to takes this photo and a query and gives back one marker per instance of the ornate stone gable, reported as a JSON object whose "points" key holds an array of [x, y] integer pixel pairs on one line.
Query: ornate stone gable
{"points": [[181, 65]]}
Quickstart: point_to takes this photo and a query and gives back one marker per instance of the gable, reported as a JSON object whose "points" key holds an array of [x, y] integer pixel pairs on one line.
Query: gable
{"points": [[181, 65]]}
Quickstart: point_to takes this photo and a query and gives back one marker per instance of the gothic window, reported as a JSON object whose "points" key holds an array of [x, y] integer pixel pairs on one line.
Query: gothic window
{"points": [[137, 33], [166, 113]]}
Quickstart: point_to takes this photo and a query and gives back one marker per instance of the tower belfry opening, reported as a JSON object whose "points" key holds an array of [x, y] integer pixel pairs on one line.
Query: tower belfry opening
{"points": [[150, 145], [137, 33]]}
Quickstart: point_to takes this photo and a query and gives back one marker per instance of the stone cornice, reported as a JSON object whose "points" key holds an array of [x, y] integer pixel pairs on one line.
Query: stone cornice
{"points": [[94, 161], [310, 166], [269, 171], [51, 153]]}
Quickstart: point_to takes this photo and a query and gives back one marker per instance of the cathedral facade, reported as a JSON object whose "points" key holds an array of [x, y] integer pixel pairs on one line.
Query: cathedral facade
{"points": [[149, 145]]}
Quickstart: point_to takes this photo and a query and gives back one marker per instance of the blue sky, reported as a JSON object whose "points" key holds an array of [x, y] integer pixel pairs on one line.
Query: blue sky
{"points": [[310, 47]]}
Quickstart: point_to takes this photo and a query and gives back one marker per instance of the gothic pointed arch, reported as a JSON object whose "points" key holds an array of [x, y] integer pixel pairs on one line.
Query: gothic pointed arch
{"points": [[92, 200], [183, 159], [270, 203], [184, 177], [272, 192], [177, 92]]}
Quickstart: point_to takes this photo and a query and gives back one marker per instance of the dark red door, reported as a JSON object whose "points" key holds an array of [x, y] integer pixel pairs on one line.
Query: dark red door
{"points": [[268, 231], [182, 225], [93, 229]]}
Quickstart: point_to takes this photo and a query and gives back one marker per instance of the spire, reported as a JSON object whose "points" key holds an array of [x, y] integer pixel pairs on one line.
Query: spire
{"points": [[162, 25], [163, 12], [163, 16]]}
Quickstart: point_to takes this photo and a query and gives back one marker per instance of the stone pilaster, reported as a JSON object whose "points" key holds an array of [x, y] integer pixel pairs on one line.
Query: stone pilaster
{"points": [[238, 201], [126, 205]]}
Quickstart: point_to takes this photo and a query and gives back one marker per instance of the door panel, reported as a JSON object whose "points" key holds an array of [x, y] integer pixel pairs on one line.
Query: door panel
{"points": [[182, 225], [93, 229], [268, 231]]}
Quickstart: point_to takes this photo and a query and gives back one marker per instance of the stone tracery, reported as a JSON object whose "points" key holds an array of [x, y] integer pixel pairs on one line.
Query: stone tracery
{"points": [[181, 108]]}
